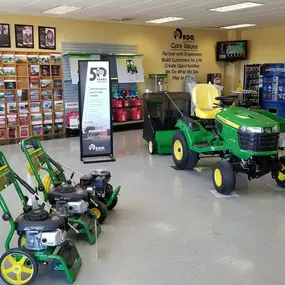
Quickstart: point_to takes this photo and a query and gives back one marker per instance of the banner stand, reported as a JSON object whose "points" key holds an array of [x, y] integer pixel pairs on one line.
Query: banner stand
{"points": [[87, 160], [96, 129]]}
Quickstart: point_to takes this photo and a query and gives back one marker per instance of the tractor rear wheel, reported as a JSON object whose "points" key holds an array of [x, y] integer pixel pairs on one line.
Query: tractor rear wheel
{"points": [[183, 157], [224, 177]]}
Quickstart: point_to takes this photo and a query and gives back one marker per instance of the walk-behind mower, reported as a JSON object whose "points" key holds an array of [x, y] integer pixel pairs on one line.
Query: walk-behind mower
{"points": [[245, 140], [160, 117], [44, 237], [69, 200], [97, 191]]}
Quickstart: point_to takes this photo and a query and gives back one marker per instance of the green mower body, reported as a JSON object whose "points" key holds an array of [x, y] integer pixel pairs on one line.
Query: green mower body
{"points": [[86, 223], [20, 265], [246, 140]]}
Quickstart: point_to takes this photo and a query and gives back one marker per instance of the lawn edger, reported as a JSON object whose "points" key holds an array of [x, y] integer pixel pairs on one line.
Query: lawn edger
{"points": [[68, 200], [247, 141], [160, 117], [42, 236], [100, 194]]}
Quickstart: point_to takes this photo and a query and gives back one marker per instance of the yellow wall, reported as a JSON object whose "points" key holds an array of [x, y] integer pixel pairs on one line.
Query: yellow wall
{"points": [[265, 46], [150, 41]]}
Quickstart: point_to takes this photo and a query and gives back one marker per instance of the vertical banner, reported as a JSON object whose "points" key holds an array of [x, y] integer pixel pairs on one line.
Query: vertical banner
{"points": [[96, 134], [130, 69]]}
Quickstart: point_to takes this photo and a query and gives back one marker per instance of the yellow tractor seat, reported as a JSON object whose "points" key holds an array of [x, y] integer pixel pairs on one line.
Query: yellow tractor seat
{"points": [[204, 99]]}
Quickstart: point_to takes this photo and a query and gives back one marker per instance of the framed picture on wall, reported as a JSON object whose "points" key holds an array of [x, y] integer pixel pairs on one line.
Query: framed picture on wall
{"points": [[47, 38], [5, 36], [24, 36]]}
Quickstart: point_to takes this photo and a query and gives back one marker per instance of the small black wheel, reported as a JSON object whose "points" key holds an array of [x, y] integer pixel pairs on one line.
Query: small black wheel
{"points": [[100, 210], [152, 147], [21, 241], [183, 157], [18, 266], [224, 178], [280, 177]]}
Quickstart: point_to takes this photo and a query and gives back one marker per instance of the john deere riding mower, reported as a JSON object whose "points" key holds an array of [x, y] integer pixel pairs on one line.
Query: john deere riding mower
{"points": [[42, 235], [69, 200], [246, 141], [95, 187], [160, 117]]}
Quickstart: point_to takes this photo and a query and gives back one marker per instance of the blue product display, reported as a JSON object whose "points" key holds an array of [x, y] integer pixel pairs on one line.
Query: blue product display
{"points": [[273, 88]]}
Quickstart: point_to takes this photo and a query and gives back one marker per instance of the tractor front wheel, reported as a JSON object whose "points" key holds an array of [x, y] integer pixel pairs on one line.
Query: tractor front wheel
{"points": [[152, 147], [183, 157], [224, 177], [280, 177]]}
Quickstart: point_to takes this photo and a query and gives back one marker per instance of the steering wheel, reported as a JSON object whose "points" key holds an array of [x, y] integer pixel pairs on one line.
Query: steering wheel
{"points": [[226, 100]]}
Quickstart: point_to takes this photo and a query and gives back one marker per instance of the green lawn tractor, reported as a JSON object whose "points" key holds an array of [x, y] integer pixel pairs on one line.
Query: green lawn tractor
{"points": [[160, 117], [101, 195], [247, 141], [69, 200], [44, 237]]}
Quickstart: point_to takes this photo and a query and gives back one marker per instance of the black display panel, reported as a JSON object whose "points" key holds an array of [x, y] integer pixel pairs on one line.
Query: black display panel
{"points": [[231, 51]]}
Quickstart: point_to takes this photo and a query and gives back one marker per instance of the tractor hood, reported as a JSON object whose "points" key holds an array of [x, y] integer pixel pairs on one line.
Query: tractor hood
{"points": [[237, 117]]}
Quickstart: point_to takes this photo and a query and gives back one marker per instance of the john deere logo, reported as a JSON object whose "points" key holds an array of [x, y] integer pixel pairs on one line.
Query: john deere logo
{"points": [[268, 131], [178, 34]]}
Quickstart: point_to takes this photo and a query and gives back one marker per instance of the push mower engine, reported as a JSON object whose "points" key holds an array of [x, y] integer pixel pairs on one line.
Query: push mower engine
{"points": [[41, 229], [96, 183], [68, 200]]}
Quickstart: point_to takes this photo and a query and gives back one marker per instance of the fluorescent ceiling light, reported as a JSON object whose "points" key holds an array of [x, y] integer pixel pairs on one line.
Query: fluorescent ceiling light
{"points": [[238, 26], [61, 10], [164, 20], [234, 7]]}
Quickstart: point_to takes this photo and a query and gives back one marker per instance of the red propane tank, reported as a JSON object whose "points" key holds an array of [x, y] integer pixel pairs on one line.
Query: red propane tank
{"points": [[121, 115], [126, 103], [137, 102], [117, 103], [136, 114]]}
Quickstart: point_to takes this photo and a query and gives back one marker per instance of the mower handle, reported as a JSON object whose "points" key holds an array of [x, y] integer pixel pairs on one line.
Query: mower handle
{"points": [[25, 184], [34, 142]]}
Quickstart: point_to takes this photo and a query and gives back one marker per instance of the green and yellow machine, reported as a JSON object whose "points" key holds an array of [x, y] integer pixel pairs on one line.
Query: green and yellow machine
{"points": [[68, 199], [44, 237], [161, 112], [247, 141]]}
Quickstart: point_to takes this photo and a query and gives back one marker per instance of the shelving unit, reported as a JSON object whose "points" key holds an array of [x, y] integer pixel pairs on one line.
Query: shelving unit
{"points": [[119, 88], [31, 95]]}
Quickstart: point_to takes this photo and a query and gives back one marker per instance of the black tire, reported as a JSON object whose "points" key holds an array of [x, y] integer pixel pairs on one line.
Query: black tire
{"points": [[100, 210], [152, 147], [228, 178], [279, 181], [31, 262], [113, 205], [189, 157]]}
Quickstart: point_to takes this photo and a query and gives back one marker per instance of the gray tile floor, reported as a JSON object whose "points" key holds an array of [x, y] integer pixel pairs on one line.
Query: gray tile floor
{"points": [[168, 228]]}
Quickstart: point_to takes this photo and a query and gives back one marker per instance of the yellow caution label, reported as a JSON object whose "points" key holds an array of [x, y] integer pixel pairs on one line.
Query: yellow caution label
{"points": [[35, 151], [229, 123], [3, 167]]}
